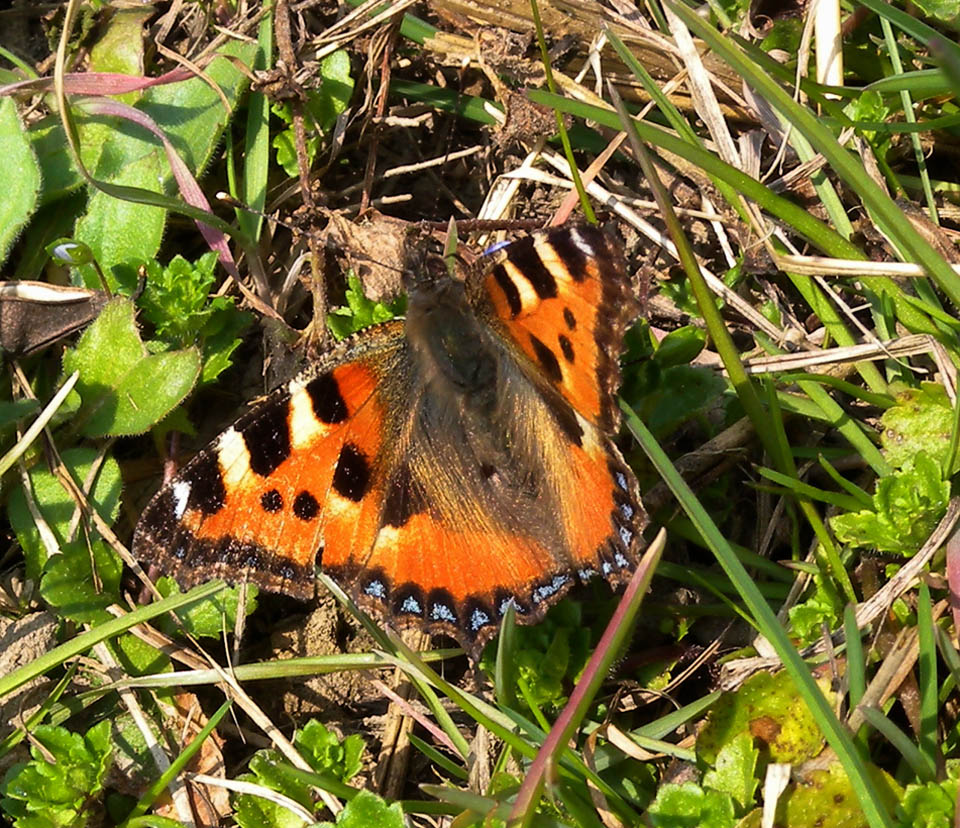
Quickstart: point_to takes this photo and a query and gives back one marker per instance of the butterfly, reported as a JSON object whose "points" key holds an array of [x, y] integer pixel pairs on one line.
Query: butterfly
{"points": [[443, 466]]}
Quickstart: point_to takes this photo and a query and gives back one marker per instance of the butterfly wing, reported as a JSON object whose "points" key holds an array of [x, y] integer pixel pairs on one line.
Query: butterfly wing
{"points": [[565, 299], [462, 532], [253, 504]]}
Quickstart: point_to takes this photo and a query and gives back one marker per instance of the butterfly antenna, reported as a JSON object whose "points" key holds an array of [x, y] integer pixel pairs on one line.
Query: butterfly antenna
{"points": [[230, 201]]}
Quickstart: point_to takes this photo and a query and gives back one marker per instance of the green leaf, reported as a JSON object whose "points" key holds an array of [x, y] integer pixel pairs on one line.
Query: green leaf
{"points": [[824, 606], [322, 108], [192, 115], [360, 312], [254, 811], [365, 810], [285, 145], [209, 617], [21, 177], [547, 657], [137, 658], [921, 420], [690, 806], [825, 799], [221, 337], [766, 707], [325, 752], [942, 11], [681, 346], [42, 793], [57, 507], [124, 389], [335, 92], [933, 804], [665, 398], [176, 300], [735, 769], [69, 585], [906, 507], [10, 412], [175, 297], [121, 46], [117, 230]]}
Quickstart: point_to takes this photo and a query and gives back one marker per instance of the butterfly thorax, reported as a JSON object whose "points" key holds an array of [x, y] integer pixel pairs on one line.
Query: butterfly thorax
{"points": [[453, 351]]}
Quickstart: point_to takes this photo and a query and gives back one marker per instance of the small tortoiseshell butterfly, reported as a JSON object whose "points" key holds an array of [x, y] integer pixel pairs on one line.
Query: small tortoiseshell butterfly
{"points": [[443, 466]]}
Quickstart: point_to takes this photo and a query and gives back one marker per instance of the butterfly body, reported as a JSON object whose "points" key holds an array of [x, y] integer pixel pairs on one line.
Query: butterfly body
{"points": [[444, 466]]}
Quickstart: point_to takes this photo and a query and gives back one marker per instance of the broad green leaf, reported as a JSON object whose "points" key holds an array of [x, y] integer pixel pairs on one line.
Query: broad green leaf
{"points": [[120, 48], [825, 799], [70, 587], [57, 507], [191, 113], [690, 806], [124, 389], [681, 346], [209, 617], [921, 420], [942, 11], [367, 809], [192, 116], [769, 709], [21, 177], [735, 771], [60, 175], [119, 230]]}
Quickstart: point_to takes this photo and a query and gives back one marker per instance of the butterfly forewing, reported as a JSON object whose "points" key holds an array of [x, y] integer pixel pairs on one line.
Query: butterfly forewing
{"points": [[256, 502], [565, 299]]}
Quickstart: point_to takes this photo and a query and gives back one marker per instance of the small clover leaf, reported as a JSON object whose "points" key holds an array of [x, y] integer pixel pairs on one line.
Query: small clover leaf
{"points": [[365, 810], [326, 753], [209, 617], [690, 806], [735, 768]]}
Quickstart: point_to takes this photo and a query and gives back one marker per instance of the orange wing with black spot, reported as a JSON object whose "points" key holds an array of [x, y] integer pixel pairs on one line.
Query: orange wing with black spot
{"points": [[565, 299], [253, 505]]}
